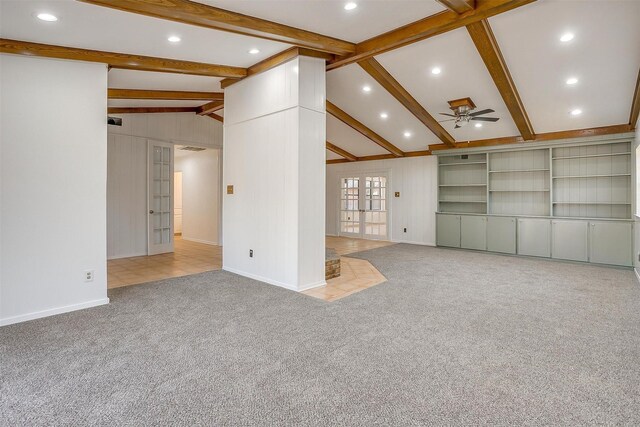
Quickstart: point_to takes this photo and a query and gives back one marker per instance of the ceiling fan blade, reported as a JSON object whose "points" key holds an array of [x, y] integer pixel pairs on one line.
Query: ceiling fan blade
{"points": [[481, 112], [448, 120], [485, 119], [457, 126], [447, 114]]}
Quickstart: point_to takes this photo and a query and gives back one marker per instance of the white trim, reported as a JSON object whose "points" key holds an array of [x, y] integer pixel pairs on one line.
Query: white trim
{"points": [[637, 271], [52, 311], [274, 282], [206, 242], [411, 242]]}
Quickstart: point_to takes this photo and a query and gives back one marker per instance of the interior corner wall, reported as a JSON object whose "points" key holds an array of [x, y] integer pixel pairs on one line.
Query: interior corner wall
{"points": [[274, 135], [200, 195], [127, 171], [636, 149], [53, 145], [416, 178]]}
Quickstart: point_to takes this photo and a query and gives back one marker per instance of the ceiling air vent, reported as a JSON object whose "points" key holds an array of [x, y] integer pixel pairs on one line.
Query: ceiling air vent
{"points": [[188, 148]]}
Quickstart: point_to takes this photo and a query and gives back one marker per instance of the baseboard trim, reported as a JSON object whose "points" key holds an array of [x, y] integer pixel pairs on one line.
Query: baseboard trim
{"points": [[206, 242], [411, 242], [126, 256], [273, 282], [52, 311]]}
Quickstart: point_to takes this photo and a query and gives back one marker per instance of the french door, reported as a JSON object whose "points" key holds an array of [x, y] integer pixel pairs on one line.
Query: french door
{"points": [[160, 197], [363, 206]]}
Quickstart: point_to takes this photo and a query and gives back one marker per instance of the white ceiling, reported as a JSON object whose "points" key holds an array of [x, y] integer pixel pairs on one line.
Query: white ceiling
{"points": [[463, 75], [350, 140], [344, 89], [604, 56], [100, 28], [331, 155], [328, 17]]}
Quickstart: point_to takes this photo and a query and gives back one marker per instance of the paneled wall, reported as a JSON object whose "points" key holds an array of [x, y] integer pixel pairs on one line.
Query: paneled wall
{"points": [[416, 180], [274, 154], [53, 169], [179, 128], [636, 149]]}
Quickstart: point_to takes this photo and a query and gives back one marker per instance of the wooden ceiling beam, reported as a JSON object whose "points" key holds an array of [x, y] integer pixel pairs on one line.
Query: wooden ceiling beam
{"points": [[121, 60], [391, 85], [487, 46], [635, 105], [340, 152], [458, 6], [425, 28], [164, 95], [210, 107], [278, 59], [202, 15], [381, 157], [143, 110], [541, 137], [216, 117], [356, 125]]}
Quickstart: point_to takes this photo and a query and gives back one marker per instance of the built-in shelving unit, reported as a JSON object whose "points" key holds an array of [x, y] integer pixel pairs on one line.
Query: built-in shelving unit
{"points": [[592, 181], [463, 183], [519, 182]]}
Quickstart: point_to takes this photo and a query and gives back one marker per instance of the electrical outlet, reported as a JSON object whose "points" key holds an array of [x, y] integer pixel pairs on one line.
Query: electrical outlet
{"points": [[250, 253], [405, 229], [88, 275]]}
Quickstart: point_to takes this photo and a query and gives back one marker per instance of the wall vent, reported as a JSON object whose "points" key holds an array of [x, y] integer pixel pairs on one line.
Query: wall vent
{"points": [[115, 121]]}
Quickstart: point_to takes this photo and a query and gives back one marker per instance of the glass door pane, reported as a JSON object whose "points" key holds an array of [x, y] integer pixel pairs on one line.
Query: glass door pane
{"points": [[350, 206], [375, 201]]}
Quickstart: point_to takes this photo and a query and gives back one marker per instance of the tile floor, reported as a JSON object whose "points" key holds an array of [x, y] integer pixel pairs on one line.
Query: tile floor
{"points": [[191, 258], [188, 258]]}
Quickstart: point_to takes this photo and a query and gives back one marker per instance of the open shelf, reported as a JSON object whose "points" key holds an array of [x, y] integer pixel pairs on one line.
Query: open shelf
{"points": [[463, 185], [518, 191], [592, 203], [463, 201], [463, 163], [519, 170], [592, 176], [588, 156]]}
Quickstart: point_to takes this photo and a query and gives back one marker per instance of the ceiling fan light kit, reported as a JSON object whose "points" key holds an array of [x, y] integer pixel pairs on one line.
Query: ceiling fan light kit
{"points": [[463, 113]]}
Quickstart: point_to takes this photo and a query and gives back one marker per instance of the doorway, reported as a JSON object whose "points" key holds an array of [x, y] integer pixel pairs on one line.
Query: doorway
{"points": [[363, 206]]}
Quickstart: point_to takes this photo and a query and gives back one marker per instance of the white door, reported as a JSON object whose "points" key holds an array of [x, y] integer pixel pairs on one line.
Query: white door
{"points": [[177, 203], [363, 206], [160, 193]]}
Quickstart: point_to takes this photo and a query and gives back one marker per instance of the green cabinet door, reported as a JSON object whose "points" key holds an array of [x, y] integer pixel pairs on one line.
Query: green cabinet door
{"points": [[611, 242], [448, 230], [501, 234], [473, 232], [569, 240], [534, 237]]}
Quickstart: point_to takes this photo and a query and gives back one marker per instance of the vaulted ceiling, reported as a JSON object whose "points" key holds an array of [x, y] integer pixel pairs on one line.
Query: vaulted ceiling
{"points": [[510, 60]]}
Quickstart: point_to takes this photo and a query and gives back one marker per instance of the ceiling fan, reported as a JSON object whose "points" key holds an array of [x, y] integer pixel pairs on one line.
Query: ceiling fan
{"points": [[462, 113]]}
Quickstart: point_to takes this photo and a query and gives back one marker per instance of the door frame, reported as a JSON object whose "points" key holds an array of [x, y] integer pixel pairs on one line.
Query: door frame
{"points": [[362, 175]]}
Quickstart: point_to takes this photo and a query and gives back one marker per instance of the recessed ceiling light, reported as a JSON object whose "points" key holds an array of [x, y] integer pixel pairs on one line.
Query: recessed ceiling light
{"points": [[572, 80], [383, 115], [47, 17], [174, 39], [254, 51], [366, 88], [566, 37], [436, 70], [576, 112], [350, 5], [478, 125], [407, 134]]}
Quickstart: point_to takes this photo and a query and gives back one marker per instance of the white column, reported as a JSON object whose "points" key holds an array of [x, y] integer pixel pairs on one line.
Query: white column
{"points": [[274, 157]]}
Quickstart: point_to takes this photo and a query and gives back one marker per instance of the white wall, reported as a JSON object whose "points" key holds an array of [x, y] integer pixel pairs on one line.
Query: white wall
{"points": [[127, 170], [53, 149], [201, 210], [416, 180], [274, 135], [636, 149], [178, 128]]}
